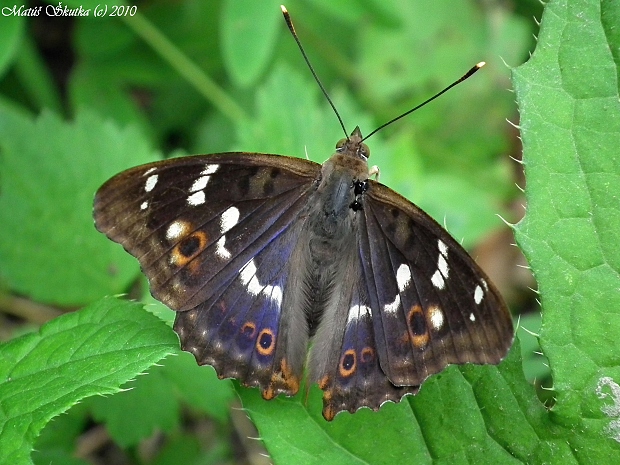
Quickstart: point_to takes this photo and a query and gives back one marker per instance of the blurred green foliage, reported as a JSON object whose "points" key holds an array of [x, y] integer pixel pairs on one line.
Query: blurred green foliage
{"points": [[83, 98]]}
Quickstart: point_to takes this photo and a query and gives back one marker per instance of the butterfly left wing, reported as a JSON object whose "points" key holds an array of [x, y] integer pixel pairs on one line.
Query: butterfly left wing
{"points": [[414, 302], [247, 329], [345, 362], [431, 303]]}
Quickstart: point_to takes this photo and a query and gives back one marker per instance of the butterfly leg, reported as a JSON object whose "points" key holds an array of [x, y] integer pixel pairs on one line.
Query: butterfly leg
{"points": [[374, 171]]}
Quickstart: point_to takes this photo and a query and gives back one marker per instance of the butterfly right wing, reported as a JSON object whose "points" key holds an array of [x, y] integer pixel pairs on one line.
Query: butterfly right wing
{"points": [[345, 357], [411, 301]]}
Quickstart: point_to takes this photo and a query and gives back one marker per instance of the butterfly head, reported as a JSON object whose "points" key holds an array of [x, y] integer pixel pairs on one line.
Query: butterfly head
{"points": [[354, 146]]}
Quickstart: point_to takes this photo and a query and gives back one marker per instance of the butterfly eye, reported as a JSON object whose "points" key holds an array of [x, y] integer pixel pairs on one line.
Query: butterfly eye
{"points": [[340, 144], [363, 151]]}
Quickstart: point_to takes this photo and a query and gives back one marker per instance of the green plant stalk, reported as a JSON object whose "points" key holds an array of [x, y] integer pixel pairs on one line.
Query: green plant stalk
{"points": [[185, 67], [36, 77]]}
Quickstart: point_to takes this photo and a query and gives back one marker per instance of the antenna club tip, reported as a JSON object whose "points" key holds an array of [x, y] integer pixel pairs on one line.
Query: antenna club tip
{"points": [[481, 64], [283, 8]]}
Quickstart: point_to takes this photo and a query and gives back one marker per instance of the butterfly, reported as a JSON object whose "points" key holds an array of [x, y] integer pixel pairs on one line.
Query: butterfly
{"points": [[263, 255]]}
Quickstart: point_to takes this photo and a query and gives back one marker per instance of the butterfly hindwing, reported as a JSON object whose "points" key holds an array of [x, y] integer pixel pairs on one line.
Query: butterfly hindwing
{"points": [[345, 359], [241, 330]]}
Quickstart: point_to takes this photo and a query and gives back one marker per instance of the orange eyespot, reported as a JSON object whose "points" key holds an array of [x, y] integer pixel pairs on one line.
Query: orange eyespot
{"points": [[348, 363], [367, 355], [248, 330], [266, 342], [188, 248], [416, 324]]}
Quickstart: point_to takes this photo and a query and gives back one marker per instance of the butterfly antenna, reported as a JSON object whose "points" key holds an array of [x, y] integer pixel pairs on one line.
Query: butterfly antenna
{"points": [[468, 74], [291, 28]]}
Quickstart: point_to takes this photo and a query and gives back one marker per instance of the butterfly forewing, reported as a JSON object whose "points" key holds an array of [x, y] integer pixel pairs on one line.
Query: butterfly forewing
{"points": [[194, 222]]}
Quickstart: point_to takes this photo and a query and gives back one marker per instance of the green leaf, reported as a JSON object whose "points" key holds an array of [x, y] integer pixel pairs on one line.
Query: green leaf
{"points": [[49, 172], [57, 440], [181, 450], [535, 365], [470, 414], [36, 78], [570, 124], [129, 415], [11, 33], [199, 386], [89, 352], [249, 32], [289, 119], [354, 12]]}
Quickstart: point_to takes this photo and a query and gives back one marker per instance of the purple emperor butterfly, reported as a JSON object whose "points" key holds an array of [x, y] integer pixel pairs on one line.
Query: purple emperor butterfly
{"points": [[263, 255]]}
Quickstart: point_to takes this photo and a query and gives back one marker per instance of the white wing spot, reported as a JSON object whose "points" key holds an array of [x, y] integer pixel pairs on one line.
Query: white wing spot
{"points": [[472, 317], [394, 306], [210, 169], [197, 198], [229, 219], [443, 248], [613, 410], [485, 285], [274, 293], [403, 277], [149, 171], [199, 184], [249, 279], [478, 295], [357, 311], [436, 317], [254, 287], [150, 183], [175, 230], [144, 205], [220, 248], [438, 280]]}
